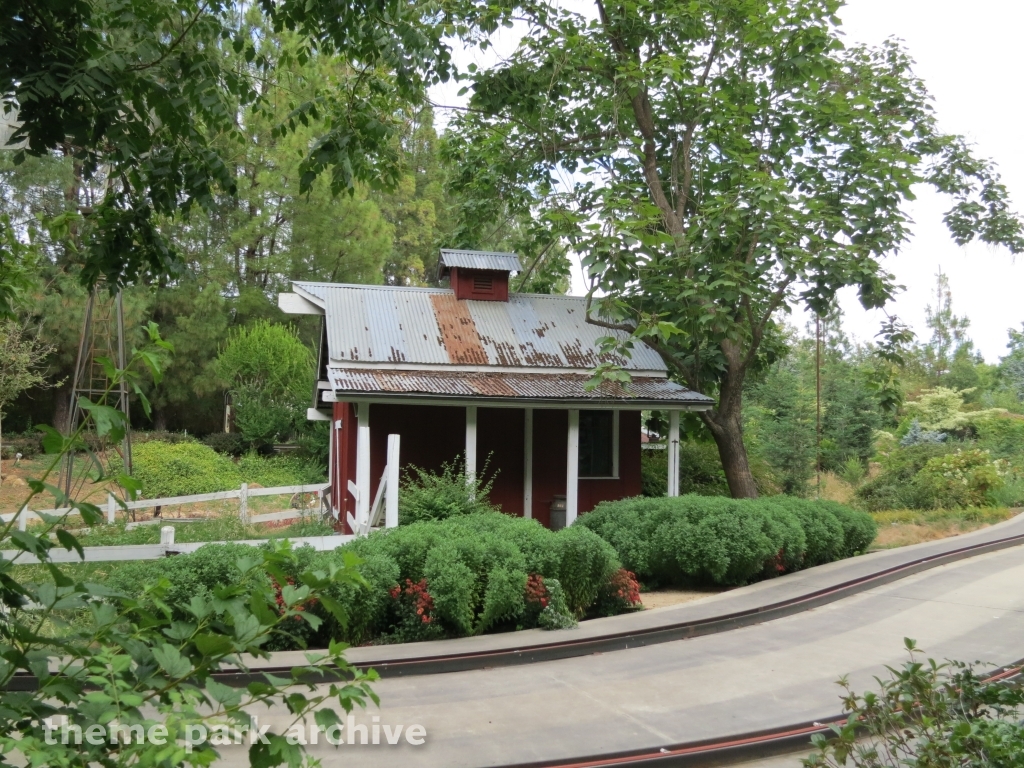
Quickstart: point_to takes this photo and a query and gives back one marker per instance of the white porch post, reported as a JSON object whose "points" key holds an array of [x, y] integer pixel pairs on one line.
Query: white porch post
{"points": [[363, 462], [572, 475], [673, 453], [332, 474], [471, 445], [391, 492], [528, 464]]}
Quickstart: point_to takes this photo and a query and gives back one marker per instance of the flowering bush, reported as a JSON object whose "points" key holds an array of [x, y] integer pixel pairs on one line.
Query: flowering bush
{"points": [[556, 614], [536, 598], [536, 592], [297, 632], [620, 594], [416, 598], [964, 478], [412, 613]]}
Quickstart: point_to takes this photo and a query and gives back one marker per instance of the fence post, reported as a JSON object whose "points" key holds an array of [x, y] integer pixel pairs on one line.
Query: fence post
{"points": [[167, 536], [391, 489], [23, 518], [111, 508], [243, 504]]}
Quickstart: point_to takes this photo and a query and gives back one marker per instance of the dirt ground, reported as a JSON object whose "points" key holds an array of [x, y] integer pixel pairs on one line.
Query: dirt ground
{"points": [[666, 597]]}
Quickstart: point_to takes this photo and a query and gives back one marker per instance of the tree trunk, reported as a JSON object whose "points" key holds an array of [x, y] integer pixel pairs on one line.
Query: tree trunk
{"points": [[727, 430], [159, 420], [62, 407], [726, 425]]}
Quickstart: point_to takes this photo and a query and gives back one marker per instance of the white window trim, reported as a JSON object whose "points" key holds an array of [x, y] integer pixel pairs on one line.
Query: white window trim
{"points": [[616, 474]]}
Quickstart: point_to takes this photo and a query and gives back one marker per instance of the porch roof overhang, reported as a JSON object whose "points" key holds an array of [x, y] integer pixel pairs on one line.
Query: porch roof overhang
{"points": [[509, 389]]}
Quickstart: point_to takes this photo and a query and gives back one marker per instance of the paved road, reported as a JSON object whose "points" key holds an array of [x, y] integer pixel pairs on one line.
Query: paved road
{"points": [[759, 677]]}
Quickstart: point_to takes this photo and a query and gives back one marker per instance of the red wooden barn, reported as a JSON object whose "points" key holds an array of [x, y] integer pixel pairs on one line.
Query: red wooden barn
{"points": [[494, 378]]}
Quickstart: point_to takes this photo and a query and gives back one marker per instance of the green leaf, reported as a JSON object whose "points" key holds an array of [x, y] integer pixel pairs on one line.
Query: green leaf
{"points": [[171, 661], [225, 694], [213, 645], [109, 422], [69, 542]]}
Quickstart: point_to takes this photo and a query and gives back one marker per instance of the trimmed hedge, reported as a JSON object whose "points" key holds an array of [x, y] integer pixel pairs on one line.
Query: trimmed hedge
{"points": [[468, 573], [700, 539]]}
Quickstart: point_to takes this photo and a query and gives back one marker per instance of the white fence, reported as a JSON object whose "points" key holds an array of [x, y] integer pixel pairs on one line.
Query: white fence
{"points": [[243, 495], [167, 545], [383, 510]]}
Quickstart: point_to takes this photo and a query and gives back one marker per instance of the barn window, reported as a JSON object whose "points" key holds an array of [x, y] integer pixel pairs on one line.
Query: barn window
{"points": [[483, 283], [599, 449]]}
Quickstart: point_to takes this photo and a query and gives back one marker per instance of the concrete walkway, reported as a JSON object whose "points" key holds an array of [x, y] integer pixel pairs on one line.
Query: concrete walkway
{"points": [[755, 678]]}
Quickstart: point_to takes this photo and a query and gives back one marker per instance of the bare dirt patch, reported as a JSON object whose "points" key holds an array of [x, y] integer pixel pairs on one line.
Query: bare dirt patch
{"points": [[663, 598]]}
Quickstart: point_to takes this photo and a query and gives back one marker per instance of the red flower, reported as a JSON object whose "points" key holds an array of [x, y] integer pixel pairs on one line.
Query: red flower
{"points": [[624, 586], [536, 592], [417, 596]]}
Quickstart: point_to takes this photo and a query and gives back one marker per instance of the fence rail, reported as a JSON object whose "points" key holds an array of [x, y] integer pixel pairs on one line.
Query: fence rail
{"points": [[166, 547], [243, 494]]}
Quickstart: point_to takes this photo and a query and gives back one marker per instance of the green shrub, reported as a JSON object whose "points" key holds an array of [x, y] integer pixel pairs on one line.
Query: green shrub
{"points": [[1002, 435], [964, 478], [276, 471], [429, 496], [556, 614], [182, 469], [196, 574], [654, 472], [505, 598], [725, 541], [824, 534], [475, 568], [896, 487], [859, 530], [230, 443], [1011, 494], [586, 562], [853, 471]]}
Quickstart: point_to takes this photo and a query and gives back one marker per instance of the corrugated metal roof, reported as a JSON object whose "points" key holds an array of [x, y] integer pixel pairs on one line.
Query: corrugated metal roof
{"points": [[642, 391], [428, 326], [502, 262]]}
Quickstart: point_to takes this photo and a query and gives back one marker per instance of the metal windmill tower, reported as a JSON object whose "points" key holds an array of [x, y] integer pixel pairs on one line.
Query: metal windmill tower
{"points": [[102, 336]]}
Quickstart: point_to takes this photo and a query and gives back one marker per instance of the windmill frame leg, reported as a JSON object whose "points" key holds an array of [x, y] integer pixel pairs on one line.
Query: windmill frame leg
{"points": [[98, 339]]}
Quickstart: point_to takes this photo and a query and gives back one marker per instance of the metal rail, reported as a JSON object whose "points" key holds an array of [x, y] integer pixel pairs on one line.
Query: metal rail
{"points": [[730, 750]]}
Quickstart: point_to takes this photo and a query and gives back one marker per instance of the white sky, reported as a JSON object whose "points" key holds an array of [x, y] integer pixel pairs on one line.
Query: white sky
{"points": [[970, 56]]}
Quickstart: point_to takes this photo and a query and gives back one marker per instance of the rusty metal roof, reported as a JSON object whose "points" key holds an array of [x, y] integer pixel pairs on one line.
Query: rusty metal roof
{"points": [[428, 326], [642, 392], [493, 260]]}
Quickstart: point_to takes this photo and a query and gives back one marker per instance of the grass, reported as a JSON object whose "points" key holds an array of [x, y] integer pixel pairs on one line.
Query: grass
{"points": [[214, 529], [903, 527]]}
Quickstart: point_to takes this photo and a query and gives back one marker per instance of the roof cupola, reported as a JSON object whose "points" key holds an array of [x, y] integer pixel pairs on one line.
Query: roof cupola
{"points": [[478, 275]]}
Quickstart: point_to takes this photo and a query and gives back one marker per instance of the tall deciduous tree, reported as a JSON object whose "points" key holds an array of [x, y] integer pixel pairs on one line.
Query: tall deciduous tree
{"points": [[716, 162], [142, 95]]}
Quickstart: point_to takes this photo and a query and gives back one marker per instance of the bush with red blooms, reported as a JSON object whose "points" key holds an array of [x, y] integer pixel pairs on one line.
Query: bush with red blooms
{"points": [[279, 598], [536, 598], [412, 613], [536, 592], [416, 596], [288, 635], [620, 594]]}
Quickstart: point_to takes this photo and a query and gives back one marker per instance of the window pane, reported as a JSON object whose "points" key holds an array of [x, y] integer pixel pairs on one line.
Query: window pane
{"points": [[596, 433]]}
